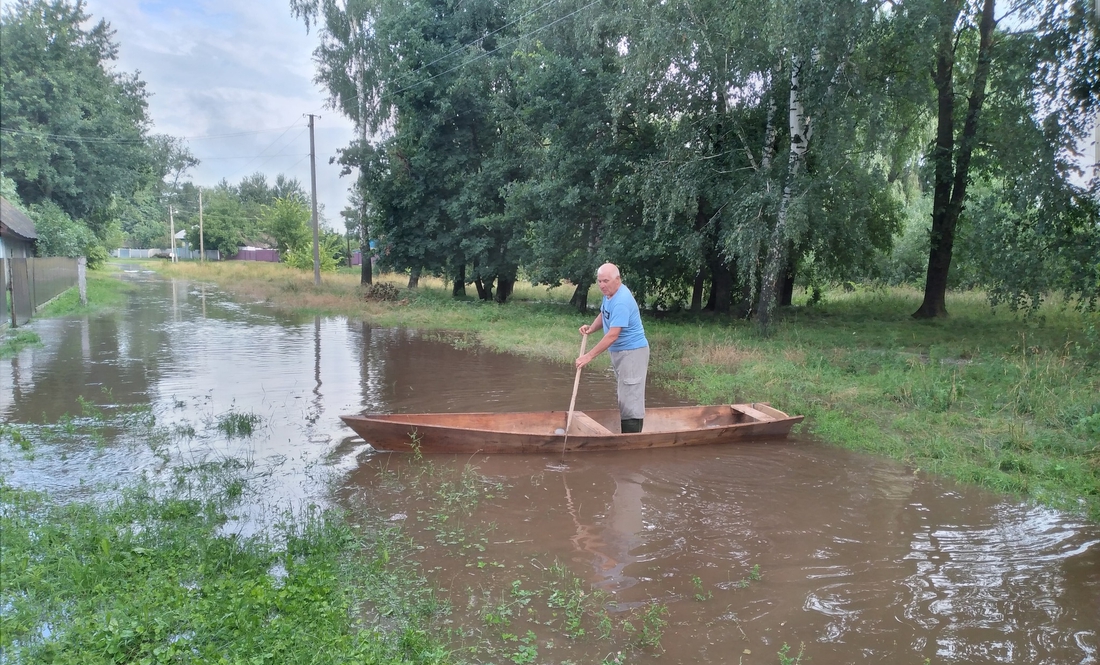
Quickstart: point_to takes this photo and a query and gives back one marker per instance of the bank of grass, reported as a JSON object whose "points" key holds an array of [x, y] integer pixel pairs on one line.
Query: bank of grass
{"points": [[14, 340], [987, 397], [155, 576], [104, 290], [157, 569]]}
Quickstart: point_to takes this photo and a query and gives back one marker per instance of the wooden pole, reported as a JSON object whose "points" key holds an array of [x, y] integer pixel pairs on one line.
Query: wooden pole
{"points": [[573, 399]]}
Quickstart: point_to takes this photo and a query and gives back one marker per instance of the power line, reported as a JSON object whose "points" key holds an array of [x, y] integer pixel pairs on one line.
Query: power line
{"points": [[285, 154], [82, 139], [483, 37], [122, 141], [277, 138], [487, 53]]}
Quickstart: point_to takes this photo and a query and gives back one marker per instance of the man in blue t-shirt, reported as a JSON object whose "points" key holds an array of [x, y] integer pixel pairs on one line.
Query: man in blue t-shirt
{"points": [[624, 337]]}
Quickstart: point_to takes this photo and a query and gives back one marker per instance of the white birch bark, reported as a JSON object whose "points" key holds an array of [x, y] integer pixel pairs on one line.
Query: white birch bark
{"points": [[800, 131]]}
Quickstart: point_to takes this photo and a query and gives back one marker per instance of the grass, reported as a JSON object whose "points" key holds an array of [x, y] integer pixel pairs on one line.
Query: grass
{"points": [[153, 572], [987, 397], [150, 578], [15, 340], [104, 290]]}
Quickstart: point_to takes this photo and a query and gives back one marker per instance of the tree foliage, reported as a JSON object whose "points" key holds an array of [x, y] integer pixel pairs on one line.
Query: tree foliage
{"points": [[287, 220], [74, 130], [716, 151]]}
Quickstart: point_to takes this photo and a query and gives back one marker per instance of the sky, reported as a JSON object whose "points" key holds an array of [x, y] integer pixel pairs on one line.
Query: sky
{"points": [[214, 68]]}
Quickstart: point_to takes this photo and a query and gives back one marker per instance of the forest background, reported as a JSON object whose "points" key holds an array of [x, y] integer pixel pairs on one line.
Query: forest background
{"points": [[718, 153]]}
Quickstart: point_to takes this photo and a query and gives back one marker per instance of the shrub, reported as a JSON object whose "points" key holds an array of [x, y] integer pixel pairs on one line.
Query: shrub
{"points": [[381, 291]]}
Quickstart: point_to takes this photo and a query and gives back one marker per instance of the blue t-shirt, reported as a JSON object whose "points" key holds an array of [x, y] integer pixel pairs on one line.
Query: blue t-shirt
{"points": [[621, 311]]}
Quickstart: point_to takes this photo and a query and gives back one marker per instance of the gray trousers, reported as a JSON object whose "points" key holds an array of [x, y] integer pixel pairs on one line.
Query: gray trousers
{"points": [[630, 370]]}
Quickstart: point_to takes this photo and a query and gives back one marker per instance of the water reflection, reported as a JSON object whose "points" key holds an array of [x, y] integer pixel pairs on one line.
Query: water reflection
{"points": [[858, 558]]}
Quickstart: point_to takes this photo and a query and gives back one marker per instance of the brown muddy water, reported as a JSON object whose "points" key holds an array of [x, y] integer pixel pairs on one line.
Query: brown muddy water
{"points": [[740, 549]]}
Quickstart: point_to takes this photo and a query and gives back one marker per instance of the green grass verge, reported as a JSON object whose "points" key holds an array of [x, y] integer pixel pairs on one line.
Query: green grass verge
{"points": [[987, 397], [153, 577], [15, 340], [105, 292]]}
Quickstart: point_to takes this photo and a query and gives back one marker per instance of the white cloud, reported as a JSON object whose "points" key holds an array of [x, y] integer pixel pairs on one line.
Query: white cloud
{"points": [[218, 67]]}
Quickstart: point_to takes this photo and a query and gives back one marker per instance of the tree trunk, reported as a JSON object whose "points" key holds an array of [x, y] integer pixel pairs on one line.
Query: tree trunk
{"points": [[721, 287], [366, 266], [786, 283], [580, 297], [505, 285], [697, 290], [458, 290], [366, 270], [801, 131], [414, 278], [484, 289], [952, 170]]}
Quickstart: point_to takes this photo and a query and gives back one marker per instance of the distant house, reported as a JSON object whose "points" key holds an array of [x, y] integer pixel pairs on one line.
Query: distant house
{"points": [[17, 232]]}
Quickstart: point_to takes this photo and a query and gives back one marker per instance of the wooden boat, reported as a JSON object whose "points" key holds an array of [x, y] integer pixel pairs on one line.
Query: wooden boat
{"points": [[544, 431]]}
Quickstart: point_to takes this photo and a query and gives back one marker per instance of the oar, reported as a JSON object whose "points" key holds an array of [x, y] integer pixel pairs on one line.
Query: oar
{"points": [[573, 400]]}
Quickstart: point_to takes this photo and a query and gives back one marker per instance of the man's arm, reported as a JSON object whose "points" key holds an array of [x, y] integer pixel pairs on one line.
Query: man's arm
{"points": [[608, 340], [597, 323]]}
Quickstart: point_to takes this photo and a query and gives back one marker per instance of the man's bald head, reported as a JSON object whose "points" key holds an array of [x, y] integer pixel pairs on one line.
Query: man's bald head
{"points": [[608, 279]]}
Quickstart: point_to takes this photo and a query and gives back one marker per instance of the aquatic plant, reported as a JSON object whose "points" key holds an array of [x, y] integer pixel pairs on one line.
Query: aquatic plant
{"points": [[238, 424]]}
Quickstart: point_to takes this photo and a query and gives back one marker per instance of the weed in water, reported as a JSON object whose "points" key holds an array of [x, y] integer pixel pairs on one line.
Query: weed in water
{"points": [[17, 437], [16, 340], [528, 651], [785, 659], [653, 623], [238, 424], [566, 593], [89, 409], [753, 576], [185, 430], [701, 593]]}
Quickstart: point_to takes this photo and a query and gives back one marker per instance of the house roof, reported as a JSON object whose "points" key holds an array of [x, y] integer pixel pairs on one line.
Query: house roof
{"points": [[15, 222]]}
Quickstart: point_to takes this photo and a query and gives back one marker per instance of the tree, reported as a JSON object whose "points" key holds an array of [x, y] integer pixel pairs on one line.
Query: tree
{"points": [[287, 220], [430, 192], [1029, 94], [73, 129], [225, 226]]}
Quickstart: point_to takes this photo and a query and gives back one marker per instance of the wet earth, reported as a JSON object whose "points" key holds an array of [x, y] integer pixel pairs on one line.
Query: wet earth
{"points": [[737, 550]]}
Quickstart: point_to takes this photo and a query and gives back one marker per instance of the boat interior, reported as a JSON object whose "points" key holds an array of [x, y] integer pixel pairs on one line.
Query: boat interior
{"points": [[598, 422]]}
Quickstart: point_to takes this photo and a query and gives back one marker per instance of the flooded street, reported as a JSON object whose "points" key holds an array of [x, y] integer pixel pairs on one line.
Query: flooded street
{"points": [[740, 549]]}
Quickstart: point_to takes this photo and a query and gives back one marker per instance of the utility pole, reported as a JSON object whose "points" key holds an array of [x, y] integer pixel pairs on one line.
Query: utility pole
{"points": [[172, 232], [313, 192], [202, 246]]}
